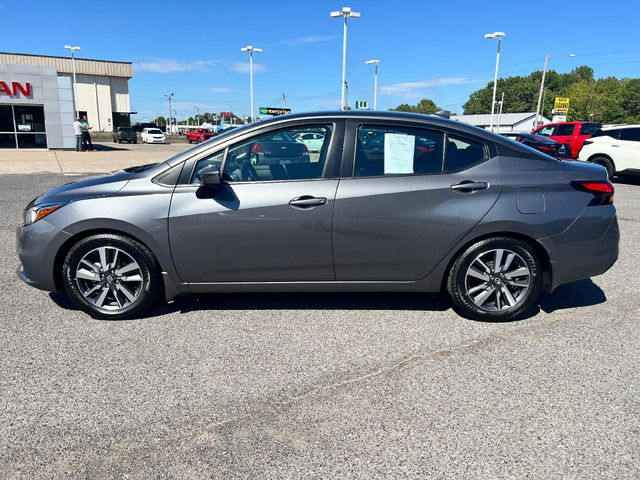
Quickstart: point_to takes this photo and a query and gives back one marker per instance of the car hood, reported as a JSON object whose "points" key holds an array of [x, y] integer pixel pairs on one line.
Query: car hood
{"points": [[92, 187]]}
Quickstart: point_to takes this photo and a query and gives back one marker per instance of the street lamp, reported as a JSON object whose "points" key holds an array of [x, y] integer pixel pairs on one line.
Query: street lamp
{"points": [[375, 80], [544, 74], [498, 36], [251, 49], [73, 67], [169, 97], [344, 13], [197, 114]]}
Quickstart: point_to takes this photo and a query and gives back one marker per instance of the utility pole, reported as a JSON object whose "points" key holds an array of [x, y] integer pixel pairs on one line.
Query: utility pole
{"points": [[498, 36], [169, 123]]}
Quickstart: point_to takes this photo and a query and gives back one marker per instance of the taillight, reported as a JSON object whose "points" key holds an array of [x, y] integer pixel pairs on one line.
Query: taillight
{"points": [[257, 148], [602, 191], [547, 148], [304, 148]]}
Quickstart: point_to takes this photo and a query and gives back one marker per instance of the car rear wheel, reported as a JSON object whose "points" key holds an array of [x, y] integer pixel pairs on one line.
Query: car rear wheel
{"points": [[606, 163], [111, 277], [496, 279]]}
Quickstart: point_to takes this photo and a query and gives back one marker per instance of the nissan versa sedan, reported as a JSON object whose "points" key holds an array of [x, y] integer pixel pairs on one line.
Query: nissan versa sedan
{"points": [[437, 206]]}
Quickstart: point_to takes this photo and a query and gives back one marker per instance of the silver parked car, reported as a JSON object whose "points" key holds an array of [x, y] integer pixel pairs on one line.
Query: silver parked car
{"points": [[394, 202]]}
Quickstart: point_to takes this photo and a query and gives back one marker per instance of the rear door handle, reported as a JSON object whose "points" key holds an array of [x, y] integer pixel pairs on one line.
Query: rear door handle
{"points": [[468, 186], [307, 201]]}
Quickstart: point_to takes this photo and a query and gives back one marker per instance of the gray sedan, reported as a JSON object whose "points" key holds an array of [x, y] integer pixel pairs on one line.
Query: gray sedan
{"points": [[394, 202]]}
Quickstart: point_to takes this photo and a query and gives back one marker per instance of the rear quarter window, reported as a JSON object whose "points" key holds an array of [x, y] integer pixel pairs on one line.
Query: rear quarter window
{"points": [[463, 153]]}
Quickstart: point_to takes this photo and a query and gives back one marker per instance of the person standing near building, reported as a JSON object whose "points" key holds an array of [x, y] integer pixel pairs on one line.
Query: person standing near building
{"points": [[77, 129], [86, 135]]}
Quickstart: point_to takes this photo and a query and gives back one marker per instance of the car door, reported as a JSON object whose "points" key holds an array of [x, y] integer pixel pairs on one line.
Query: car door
{"points": [[268, 226], [627, 152], [412, 194]]}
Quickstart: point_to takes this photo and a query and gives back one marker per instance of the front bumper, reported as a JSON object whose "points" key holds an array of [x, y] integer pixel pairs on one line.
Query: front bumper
{"points": [[589, 247], [37, 245]]}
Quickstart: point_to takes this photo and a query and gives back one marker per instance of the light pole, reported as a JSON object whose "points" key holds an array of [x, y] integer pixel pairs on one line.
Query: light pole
{"points": [[344, 13], [73, 67], [375, 80], [169, 97], [498, 36], [544, 75], [197, 114], [251, 49]]}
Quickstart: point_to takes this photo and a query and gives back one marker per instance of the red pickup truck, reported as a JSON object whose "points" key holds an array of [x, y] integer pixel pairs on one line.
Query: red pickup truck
{"points": [[569, 133], [199, 135]]}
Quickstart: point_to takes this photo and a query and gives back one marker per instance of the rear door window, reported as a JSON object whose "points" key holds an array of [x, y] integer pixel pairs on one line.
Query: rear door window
{"points": [[391, 150], [630, 134], [564, 130], [546, 131]]}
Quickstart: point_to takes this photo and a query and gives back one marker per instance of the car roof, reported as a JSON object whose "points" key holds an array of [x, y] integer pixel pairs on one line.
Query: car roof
{"points": [[617, 127]]}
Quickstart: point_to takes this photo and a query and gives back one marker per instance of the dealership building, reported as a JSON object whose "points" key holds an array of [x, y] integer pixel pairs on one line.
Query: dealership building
{"points": [[37, 106]]}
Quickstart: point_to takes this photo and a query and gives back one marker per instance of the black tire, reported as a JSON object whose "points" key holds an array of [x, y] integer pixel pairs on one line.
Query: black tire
{"points": [[606, 163], [188, 140], [135, 141], [148, 291], [457, 280]]}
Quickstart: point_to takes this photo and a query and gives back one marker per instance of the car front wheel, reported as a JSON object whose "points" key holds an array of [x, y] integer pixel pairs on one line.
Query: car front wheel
{"points": [[111, 276], [496, 279]]}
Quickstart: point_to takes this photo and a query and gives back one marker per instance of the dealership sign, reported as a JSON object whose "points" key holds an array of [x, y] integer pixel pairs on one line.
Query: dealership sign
{"points": [[13, 89], [274, 111], [561, 106]]}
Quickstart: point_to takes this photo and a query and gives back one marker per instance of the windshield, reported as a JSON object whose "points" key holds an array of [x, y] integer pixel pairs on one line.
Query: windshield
{"points": [[155, 131]]}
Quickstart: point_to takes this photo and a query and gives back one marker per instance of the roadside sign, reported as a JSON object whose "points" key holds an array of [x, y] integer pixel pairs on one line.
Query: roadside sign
{"points": [[561, 105], [226, 114], [362, 105], [274, 111], [559, 118]]}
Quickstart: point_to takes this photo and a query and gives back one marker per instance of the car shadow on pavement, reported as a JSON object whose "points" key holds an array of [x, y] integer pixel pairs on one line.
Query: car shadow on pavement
{"points": [[582, 293], [577, 294]]}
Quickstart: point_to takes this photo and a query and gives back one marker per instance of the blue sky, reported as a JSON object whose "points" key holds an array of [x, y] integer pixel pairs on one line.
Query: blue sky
{"points": [[427, 48]]}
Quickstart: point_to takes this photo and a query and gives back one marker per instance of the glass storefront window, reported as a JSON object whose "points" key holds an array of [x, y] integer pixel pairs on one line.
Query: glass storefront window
{"points": [[22, 126], [7, 140], [30, 140]]}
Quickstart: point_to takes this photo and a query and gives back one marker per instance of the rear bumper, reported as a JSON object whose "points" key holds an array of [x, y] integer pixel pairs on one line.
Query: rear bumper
{"points": [[589, 247]]}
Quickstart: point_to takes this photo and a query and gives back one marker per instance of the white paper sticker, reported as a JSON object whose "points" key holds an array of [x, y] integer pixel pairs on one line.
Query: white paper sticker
{"points": [[398, 153]]}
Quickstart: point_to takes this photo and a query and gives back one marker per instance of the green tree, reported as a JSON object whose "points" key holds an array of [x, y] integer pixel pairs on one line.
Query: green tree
{"points": [[630, 99], [160, 121], [423, 106]]}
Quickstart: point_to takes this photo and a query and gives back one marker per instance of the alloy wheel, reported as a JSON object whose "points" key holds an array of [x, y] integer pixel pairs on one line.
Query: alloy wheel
{"points": [[109, 278], [497, 280]]}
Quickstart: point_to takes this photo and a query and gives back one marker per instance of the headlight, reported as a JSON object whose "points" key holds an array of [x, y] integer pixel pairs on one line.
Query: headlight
{"points": [[37, 212]]}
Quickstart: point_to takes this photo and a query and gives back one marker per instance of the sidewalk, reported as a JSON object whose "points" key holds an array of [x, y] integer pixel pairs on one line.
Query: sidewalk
{"points": [[106, 158]]}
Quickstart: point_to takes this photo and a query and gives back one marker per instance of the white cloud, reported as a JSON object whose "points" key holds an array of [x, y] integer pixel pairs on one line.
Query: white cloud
{"points": [[221, 89], [412, 89], [292, 42], [172, 65], [243, 67]]}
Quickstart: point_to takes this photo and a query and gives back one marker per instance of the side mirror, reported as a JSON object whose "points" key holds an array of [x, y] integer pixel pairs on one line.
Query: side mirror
{"points": [[209, 178]]}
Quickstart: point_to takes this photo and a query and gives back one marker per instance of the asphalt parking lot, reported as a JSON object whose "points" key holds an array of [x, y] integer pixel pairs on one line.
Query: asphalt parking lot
{"points": [[321, 385]]}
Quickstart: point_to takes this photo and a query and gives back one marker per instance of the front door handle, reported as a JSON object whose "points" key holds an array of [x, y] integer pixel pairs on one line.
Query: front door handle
{"points": [[307, 201], [468, 186]]}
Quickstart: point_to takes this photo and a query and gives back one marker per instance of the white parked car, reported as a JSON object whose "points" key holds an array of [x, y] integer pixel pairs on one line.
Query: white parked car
{"points": [[153, 135], [615, 148], [313, 141]]}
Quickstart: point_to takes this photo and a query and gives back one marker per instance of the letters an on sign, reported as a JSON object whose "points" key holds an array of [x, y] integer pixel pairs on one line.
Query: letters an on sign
{"points": [[15, 89]]}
